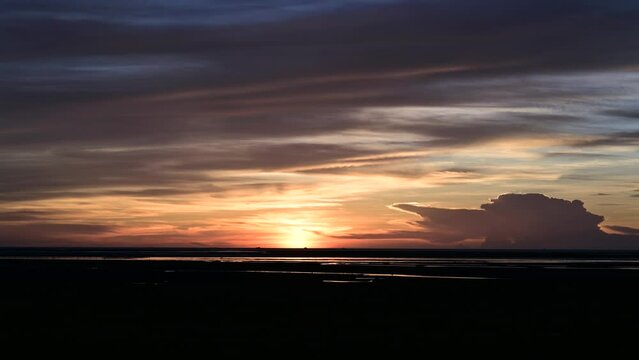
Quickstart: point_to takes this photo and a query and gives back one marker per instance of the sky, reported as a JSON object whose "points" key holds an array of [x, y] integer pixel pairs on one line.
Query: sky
{"points": [[392, 124]]}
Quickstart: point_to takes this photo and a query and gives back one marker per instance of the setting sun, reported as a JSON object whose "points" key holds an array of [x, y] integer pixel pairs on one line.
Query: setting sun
{"points": [[298, 238]]}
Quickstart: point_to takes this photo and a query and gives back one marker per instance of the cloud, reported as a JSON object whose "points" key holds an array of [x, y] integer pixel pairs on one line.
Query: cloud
{"points": [[631, 114], [46, 234], [464, 134], [25, 215], [615, 139], [448, 225], [579, 155], [624, 230], [50, 234], [154, 171], [532, 221], [127, 74], [345, 47]]}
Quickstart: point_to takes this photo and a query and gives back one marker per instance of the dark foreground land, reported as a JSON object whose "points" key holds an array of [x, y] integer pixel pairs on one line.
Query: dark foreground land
{"points": [[452, 301]]}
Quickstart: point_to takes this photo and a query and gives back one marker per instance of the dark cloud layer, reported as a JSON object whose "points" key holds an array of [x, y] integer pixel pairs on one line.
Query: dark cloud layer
{"points": [[378, 42], [614, 139], [25, 215], [149, 73], [48, 234], [518, 221]]}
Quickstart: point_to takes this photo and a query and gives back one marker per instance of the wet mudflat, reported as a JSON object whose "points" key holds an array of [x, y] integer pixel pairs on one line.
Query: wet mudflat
{"points": [[384, 304]]}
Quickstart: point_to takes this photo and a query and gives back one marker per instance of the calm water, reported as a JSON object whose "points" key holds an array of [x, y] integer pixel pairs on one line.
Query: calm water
{"points": [[404, 262]]}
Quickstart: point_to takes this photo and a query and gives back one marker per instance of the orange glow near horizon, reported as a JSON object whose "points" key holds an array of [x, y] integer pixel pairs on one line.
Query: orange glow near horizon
{"points": [[298, 238]]}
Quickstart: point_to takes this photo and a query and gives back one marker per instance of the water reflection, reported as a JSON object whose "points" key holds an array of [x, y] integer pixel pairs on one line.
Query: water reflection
{"points": [[422, 262], [370, 276]]}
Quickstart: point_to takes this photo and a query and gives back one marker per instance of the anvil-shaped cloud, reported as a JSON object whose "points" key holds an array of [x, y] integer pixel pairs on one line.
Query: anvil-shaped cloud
{"points": [[519, 221]]}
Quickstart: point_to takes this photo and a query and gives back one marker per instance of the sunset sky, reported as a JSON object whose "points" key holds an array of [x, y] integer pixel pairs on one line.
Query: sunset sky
{"points": [[312, 123]]}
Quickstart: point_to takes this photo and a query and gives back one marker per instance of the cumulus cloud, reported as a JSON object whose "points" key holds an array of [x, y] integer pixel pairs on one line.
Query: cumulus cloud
{"points": [[518, 221]]}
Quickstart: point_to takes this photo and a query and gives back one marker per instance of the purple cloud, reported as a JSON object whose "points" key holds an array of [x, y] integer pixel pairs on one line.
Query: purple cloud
{"points": [[517, 221]]}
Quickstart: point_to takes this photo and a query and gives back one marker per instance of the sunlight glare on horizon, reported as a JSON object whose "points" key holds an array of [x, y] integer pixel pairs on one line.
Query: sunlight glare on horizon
{"points": [[296, 237]]}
